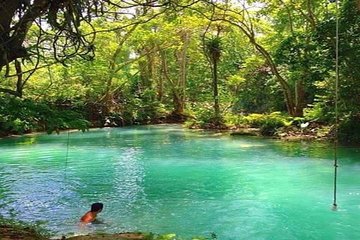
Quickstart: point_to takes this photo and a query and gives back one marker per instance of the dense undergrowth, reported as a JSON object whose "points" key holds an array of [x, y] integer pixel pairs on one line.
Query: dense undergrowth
{"points": [[315, 124], [20, 116]]}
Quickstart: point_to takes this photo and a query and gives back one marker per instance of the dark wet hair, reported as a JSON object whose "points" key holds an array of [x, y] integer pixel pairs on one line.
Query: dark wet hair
{"points": [[96, 207]]}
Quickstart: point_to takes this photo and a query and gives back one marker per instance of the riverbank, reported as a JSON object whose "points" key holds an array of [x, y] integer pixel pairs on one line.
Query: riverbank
{"points": [[313, 132], [115, 236], [15, 232]]}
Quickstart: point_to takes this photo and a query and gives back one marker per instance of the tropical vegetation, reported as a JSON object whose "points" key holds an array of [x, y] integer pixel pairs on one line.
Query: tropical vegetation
{"points": [[216, 64]]}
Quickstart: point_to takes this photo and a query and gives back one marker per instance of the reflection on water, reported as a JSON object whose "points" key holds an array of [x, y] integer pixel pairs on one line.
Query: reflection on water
{"points": [[168, 179]]}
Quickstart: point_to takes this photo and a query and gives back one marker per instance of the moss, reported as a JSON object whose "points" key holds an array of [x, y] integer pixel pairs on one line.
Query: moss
{"points": [[11, 231]]}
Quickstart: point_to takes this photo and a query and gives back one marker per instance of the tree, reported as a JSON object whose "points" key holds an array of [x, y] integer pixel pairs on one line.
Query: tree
{"points": [[34, 31], [213, 51], [178, 75], [63, 16], [349, 52], [255, 26]]}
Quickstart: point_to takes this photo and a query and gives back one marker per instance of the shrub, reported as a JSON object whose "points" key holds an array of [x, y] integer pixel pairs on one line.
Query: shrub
{"points": [[145, 109], [171, 236], [267, 123], [234, 119], [205, 118], [270, 126], [349, 130], [255, 120], [320, 111], [19, 116]]}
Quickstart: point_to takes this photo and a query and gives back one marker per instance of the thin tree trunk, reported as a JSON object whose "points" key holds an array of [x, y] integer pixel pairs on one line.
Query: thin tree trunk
{"points": [[178, 86], [19, 83], [289, 101], [160, 87], [215, 88], [182, 72], [249, 32], [108, 97], [165, 71], [299, 99]]}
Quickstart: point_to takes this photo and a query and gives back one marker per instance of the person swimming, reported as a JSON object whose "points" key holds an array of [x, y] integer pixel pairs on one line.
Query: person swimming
{"points": [[91, 215]]}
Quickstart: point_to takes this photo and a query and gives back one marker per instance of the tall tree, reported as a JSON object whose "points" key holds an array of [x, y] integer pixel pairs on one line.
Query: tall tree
{"points": [[254, 26], [32, 31], [213, 50]]}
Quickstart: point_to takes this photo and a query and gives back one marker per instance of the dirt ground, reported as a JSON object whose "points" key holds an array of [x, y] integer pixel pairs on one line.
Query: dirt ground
{"points": [[16, 233], [118, 236], [8, 232]]}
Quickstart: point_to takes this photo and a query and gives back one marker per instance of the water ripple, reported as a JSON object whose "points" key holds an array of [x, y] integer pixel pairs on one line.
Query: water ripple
{"points": [[167, 179]]}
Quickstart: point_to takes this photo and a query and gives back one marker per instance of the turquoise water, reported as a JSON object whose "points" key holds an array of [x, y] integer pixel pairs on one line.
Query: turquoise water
{"points": [[166, 179]]}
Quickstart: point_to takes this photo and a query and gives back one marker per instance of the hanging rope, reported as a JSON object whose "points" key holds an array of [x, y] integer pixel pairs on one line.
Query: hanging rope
{"points": [[336, 106], [67, 155]]}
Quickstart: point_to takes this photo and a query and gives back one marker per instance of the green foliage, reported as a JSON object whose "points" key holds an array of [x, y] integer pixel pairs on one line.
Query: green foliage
{"points": [[204, 117], [213, 48], [270, 126], [146, 108], [267, 123], [297, 121], [18, 116], [234, 120], [257, 92], [321, 111], [258, 120], [305, 62], [161, 237], [349, 51], [172, 236], [349, 130], [142, 72]]}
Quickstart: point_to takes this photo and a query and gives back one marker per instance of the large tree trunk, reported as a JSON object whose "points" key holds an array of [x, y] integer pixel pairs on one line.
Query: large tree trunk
{"points": [[178, 105], [299, 99], [182, 61], [18, 92], [12, 40]]}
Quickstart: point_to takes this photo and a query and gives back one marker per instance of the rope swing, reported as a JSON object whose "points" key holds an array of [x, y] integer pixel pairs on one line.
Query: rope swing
{"points": [[334, 207], [67, 154]]}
